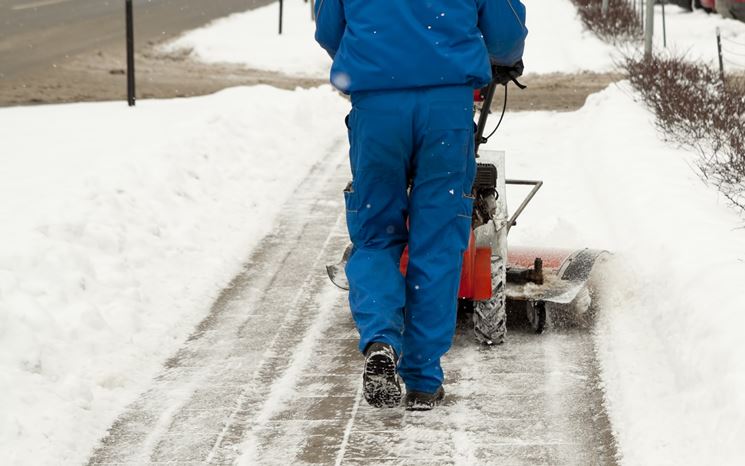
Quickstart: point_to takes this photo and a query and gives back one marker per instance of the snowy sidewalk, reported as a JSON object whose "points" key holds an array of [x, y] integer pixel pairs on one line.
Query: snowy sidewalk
{"points": [[272, 367], [273, 376], [119, 229]]}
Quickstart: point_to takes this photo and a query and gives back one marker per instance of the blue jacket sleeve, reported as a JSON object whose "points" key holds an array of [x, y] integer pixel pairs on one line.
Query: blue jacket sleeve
{"points": [[502, 23], [330, 24]]}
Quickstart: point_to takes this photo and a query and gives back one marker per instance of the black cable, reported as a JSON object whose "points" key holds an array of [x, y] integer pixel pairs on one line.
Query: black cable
{"points": [[504, 110]]}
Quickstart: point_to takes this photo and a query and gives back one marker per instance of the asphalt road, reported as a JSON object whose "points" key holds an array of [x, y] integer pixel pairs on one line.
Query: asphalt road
{"points": [[39, 35]]}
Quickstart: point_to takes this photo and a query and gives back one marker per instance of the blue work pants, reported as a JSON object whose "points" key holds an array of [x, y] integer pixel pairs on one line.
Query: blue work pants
{"points": [[421, 138]]}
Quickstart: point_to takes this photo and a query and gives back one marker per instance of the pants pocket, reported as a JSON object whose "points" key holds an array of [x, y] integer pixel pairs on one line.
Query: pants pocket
{"points": [[449, 139], [351, 204]]}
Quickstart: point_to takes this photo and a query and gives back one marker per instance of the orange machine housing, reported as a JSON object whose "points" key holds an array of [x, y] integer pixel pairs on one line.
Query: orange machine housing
{"points": [[475, 277]]}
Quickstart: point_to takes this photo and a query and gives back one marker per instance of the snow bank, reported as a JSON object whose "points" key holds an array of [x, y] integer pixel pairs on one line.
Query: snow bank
{"points": [[251, 39], [669, 336], [556, 43], [120, 226], [693, 34]]}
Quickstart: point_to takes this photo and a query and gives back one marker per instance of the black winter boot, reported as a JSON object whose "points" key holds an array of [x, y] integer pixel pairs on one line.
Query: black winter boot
{"points": [[420, 401], [380, 381]]}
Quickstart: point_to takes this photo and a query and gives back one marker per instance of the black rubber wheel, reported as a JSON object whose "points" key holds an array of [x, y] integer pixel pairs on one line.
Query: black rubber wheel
{"points": [[537, 316]]}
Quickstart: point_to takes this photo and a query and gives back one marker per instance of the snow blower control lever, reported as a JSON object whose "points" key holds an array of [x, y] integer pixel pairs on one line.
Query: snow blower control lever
{"points": [[501, 76], [491, 273]]}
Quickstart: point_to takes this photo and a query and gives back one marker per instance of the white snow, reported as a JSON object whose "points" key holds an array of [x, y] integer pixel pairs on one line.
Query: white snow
{"points": [[283, 389], [669, 336], [558, 43], [116, 243], [251, 39], [120, 227], [693, 34]]}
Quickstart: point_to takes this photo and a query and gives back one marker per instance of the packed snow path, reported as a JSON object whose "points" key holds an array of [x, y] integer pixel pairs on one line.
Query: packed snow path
{"points": [[272, 376]]}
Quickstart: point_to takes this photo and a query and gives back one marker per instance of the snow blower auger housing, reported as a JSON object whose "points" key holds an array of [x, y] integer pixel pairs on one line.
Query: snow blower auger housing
{"points": [[492, 274]]}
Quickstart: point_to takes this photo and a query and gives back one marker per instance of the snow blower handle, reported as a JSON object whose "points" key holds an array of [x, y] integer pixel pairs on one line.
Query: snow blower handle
{"points": [[505, 74], [501, 76]]}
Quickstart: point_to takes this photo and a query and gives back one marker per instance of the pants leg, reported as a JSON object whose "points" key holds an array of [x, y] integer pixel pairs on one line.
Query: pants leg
{"points": [[377, 207], [440, 207]]}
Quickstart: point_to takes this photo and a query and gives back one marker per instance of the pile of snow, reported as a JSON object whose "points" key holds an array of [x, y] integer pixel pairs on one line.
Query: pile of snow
{"points": [[557, 41], [693, 34], [119, 228], [252, 39], [670, 330]]}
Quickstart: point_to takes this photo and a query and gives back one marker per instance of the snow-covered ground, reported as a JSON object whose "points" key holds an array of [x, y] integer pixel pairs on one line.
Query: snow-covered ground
{"points": [[670, 324], [557, 42], [115, 245], [251, 39], [119, 228], [121, 225], [693, 34]]}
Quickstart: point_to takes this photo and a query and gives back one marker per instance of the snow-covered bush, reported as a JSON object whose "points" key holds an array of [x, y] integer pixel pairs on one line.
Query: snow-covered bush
{"points": [[697, 109], [620, 24]]}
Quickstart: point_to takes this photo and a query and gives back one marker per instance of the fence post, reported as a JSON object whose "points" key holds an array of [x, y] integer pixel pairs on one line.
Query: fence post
{"points": [[664, 25], [649, 30], [130, 53], [605, 7], [719, 52], [281, 12]]}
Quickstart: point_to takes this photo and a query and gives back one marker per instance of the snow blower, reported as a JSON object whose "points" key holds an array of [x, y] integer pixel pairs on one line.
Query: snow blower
{"points": [[493, 275]]}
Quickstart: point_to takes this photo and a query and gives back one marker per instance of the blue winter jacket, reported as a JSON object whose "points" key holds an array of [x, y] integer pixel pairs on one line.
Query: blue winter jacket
{"points": [[398, 44]]}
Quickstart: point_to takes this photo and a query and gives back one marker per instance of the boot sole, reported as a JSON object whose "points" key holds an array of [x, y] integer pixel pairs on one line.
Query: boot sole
{"points": [[380, 383]]}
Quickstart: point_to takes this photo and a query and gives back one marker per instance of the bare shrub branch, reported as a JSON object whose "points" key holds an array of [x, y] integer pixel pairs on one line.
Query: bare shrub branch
{"points": [[620, 25], [694, 108]]}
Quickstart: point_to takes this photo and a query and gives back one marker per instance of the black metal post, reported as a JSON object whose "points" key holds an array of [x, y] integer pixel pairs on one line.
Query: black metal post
{"points": [[719, 52], [664, 25], [281, 11], [130, 54]]}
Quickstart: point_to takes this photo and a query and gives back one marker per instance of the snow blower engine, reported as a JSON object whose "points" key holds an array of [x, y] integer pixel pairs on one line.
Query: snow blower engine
{"points": [[493, 275]]}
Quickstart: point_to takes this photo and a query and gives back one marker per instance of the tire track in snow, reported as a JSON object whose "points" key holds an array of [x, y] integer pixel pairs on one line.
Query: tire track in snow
{"points": [[272, 376], [283, 387], [348, 429], [186, 415]]}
